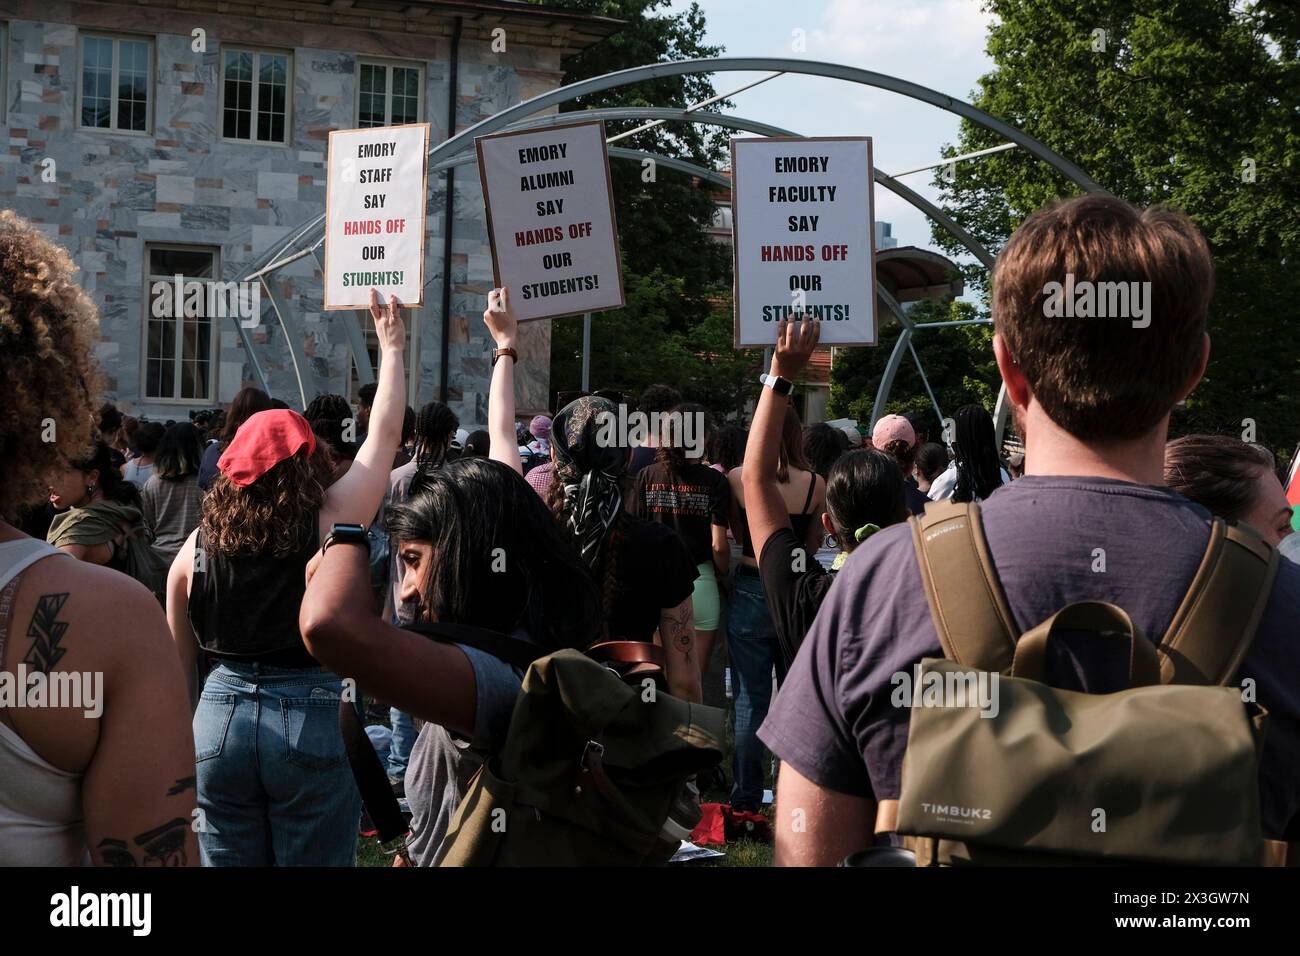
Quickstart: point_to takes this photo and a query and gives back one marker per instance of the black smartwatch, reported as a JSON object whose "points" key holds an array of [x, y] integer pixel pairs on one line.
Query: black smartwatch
{"points": [[347, 534], [782, 386]]}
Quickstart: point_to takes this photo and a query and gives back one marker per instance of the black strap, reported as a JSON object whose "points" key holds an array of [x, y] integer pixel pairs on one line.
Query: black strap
{"points": [[371, 778], [812, 486]]}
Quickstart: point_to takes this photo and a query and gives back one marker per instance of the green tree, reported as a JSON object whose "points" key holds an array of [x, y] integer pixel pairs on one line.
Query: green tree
{"points": [[1191, 103], [672, 270], [958, 364]]}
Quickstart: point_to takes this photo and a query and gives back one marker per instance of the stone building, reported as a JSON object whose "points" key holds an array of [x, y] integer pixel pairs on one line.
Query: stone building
{"points": [[155, 138]]}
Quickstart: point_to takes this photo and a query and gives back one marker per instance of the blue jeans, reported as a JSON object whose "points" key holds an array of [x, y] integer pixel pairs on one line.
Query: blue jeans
{"points": [[273, 778], [404, 734], [752, 648]]}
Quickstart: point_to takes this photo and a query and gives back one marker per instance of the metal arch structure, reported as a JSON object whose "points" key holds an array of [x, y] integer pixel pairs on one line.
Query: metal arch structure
{"points": [[309, 235]]}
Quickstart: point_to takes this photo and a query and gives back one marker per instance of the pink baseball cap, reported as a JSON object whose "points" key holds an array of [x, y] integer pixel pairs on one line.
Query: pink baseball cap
{"points": [[893, 428]]}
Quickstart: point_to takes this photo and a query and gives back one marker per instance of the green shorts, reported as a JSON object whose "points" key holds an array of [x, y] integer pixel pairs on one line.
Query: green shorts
{"points": [[707, 602]]}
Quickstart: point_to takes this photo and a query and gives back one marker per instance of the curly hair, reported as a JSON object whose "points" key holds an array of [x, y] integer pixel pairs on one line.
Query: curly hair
{"points": [[47, 327], [275, 514]]}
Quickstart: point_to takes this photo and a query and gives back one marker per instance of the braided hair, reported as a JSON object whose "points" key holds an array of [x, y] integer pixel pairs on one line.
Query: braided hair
{"points": [[435, 425], [979, 471]]}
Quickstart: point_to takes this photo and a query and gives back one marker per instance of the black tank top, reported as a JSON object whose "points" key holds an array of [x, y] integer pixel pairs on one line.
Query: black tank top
{"points": [[799, 523], [246, 607]]}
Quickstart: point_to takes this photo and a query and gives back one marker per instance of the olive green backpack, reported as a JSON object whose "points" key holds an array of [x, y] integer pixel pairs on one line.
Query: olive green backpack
{"points": [[594, 761], [1165, 771]]}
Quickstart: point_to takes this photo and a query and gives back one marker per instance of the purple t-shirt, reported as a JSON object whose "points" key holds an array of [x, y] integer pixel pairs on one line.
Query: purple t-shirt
{"points": [[833, 722]]}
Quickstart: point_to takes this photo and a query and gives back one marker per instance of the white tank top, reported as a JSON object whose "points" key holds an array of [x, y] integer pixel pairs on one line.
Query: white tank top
{"points": [[40, 805]]}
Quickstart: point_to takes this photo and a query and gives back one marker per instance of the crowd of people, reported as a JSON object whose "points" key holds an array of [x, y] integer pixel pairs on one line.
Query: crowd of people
{"points": [[219, 588]]}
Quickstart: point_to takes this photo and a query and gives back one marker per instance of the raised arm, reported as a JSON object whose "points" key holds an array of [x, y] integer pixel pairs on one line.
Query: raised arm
{"points": [[764, 506], [355, 498], [500, 319]]}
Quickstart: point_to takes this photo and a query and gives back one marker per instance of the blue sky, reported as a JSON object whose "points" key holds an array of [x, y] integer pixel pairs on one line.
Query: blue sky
{"points": [[935, 43]]}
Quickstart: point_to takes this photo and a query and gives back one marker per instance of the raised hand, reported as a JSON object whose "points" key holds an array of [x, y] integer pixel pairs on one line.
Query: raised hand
{"points": [[795, 342], [389, 326], [500, 319]]}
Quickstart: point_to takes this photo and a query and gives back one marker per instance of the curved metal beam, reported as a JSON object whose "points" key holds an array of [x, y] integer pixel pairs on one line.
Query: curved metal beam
{"points": [[653, 71], [464, 157], [669, 114], [835, 71]]}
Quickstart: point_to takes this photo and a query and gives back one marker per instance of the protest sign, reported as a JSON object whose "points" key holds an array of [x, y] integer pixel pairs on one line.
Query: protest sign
{"points": [[374, 215], [550, 213], [802, 215]]}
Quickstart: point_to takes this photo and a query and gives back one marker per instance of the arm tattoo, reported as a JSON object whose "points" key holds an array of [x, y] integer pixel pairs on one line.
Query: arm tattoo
{"points": [[46, 631], [162, 846]]}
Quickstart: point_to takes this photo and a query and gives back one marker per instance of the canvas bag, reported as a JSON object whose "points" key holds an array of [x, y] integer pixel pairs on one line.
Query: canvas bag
{"points": [[590, 769], [1171, 763]]}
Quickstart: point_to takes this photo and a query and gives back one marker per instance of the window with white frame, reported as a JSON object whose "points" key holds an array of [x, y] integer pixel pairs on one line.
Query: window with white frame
{"points": [[255, 95], [116, 83], [389, 94], [180, 339]]}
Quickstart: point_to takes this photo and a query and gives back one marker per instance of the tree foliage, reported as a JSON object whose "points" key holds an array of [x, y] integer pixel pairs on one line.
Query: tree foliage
{"points": [[1191, 103], [958, 364], [673, 272]]}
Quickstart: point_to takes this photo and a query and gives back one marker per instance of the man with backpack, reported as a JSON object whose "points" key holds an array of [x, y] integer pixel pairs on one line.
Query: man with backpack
{"points": [[1090, 522]]}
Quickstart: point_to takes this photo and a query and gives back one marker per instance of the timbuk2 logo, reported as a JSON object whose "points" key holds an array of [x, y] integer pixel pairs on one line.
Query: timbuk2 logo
{"points": [[954, 812]]}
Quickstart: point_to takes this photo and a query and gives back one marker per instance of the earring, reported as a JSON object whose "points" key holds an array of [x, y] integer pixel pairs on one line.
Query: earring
{"points": [[831, 542], [90, 489]]}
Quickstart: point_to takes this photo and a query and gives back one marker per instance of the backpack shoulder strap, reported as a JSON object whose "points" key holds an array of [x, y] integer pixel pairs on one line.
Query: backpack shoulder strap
{"points": [[1214, 626], [514, 652], [969, 609]]}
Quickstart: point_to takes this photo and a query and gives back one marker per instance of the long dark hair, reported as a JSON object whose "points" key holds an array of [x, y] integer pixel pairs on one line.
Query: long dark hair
{"points": [[727, 446], [435, 426], [823, 445], [979, 471], [111, 483], [791, 455], [179, 453], [864, 487], [499, 560], [248, 401], [931, 460]]}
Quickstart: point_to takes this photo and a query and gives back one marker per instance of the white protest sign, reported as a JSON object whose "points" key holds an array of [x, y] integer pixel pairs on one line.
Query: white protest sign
{"points": [[550, 216], [374, 215], [803, 237]]}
